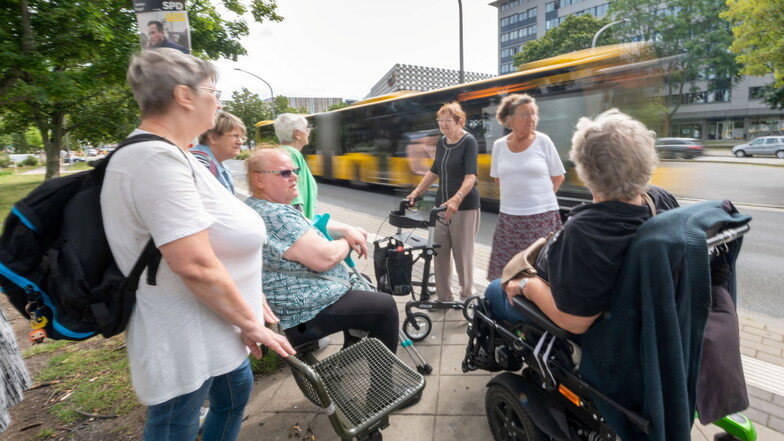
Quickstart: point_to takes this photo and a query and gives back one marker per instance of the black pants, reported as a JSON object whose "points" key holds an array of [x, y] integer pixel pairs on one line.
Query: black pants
{"points": [[370, 311]]}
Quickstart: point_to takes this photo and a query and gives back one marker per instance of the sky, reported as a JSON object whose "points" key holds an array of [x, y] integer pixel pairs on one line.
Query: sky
{"points": [[341, 48]]}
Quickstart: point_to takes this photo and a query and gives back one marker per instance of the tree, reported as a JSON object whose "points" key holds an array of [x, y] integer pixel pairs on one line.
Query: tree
{"points": [[690, 31], [64, 62], [337, 106], [758, 27], [575, 33], [249, 108]]}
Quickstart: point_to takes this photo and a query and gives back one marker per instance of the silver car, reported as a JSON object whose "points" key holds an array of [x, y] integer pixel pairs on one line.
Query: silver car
{"points": [[766, 145]]}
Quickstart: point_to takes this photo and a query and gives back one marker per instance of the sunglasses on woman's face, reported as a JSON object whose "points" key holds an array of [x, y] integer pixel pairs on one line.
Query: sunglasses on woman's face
{"points": [[285, 174]]}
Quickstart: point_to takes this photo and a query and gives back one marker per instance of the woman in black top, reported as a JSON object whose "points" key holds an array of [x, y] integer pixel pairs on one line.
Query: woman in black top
{"points": [[455, 166]]}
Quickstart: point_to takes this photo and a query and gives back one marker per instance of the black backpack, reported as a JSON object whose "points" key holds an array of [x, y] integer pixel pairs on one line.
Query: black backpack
{"points": [[56, 265]]}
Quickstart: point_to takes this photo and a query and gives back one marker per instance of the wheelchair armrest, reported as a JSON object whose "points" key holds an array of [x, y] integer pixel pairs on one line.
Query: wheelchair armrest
{"points": [[536, 315]]}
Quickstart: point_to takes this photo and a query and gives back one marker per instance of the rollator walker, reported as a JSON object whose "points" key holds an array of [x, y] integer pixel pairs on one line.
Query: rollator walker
{"points": [[394, 258]]}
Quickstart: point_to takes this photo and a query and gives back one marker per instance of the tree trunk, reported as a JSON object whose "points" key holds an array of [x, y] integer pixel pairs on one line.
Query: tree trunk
{"points": [[52, 132]]}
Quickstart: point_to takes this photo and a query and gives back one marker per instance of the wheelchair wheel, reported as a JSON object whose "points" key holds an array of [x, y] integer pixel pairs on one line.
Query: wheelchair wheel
{"points": [[423, 321], [470, 306], [509, 421]]}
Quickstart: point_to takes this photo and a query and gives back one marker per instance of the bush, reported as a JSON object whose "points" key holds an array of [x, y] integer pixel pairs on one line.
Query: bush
{"points": [[5, 160], [243, 155], [30, 161]]}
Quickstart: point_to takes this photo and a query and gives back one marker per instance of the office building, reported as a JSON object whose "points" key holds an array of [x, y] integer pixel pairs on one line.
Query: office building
{"points": [[733, 113]]}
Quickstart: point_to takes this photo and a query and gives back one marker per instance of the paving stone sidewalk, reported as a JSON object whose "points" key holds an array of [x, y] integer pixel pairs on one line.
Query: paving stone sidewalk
{"points": [[452, 406]]}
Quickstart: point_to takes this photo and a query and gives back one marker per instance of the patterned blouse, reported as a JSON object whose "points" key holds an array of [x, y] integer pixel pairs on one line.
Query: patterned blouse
{"points": [[294, 299]]}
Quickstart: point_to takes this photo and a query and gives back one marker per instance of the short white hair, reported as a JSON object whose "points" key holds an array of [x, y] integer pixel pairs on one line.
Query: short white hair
{"points": [[614, 155], [286, 123]]}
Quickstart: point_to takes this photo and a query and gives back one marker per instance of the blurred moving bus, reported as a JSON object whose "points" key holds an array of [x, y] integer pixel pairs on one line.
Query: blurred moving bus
{"points": [[375, 141]]}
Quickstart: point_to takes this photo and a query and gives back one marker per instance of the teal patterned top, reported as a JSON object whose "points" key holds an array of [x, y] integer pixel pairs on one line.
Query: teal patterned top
{"points": [[294, 299]]}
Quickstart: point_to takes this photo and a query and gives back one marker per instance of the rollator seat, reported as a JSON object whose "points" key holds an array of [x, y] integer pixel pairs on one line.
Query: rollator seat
{"points": [[358, 386]]}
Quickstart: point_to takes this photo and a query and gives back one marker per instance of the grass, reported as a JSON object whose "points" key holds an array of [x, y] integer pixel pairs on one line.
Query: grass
{"points": [[47, 347], [15, 187], [95, 379]]}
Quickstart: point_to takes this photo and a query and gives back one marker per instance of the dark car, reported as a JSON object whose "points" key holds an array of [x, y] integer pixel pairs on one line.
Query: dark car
{"points": [[678, 148]]}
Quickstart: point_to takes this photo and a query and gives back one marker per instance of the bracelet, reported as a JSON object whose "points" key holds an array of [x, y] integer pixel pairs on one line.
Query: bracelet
{"points": [[460, 194]]}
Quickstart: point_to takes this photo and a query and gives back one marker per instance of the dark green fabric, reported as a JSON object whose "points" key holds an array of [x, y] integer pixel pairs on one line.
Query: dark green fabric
{"points": [[645, 351]]}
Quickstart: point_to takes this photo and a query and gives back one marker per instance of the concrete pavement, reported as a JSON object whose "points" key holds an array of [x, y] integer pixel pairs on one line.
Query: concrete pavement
{"points": [[452, 406]]}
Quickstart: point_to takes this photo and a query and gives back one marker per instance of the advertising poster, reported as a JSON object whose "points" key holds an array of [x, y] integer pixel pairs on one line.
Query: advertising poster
{"points": [[163, 24]]}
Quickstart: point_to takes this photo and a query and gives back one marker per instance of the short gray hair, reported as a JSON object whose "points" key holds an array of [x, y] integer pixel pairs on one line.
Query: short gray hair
{"points": [[225, 122], [153, 75], [509, 105], [286, 123], [614, 155]]}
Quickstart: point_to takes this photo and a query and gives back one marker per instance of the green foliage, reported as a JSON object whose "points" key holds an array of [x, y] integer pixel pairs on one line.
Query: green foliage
{"points": [[758, 27], [268, 364], [249, 108], [66, 63], [45, 434], [692, 32], [337, 106], [573, 34], [5, 160], [30, 161]]}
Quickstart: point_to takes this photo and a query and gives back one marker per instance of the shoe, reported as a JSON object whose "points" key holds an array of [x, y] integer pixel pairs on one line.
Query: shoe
{"points": [[322, 343]]}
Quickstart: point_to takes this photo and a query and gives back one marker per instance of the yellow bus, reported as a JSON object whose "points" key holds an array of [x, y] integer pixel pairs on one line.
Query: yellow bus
{"points": [[386, 140]]}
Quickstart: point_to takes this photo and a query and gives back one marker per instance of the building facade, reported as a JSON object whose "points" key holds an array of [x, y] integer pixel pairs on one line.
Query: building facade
{"points": [[420, 78], [310, 104], [734, 113]]}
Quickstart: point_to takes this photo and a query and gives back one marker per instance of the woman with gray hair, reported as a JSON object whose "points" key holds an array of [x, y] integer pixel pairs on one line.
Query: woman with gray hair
{"points": [[526, 167], [293, 134], [189, 334], [223, 141], [578, 267]]}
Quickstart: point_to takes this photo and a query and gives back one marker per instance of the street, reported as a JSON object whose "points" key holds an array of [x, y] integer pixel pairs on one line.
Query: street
{"points": [[755, 189]]}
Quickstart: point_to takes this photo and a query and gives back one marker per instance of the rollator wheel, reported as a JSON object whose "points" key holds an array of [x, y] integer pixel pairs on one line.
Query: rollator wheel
{"points": [[469, 307], [507, 417], [423, 321]]}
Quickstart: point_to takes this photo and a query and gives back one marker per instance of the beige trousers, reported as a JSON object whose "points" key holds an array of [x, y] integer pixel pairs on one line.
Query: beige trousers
{"points": [[456, 240]]}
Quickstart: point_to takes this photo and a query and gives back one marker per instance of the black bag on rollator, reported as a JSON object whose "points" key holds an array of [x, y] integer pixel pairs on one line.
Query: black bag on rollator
{"points": [[393, 265]]}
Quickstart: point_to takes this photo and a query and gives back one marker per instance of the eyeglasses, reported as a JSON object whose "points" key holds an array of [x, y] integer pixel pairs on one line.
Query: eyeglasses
{"points": [[527, 115], [447, 120], [285, 174], [215, 92], [241, 138]]}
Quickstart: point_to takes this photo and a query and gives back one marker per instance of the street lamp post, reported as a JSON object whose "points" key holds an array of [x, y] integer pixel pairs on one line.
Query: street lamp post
{"points": [[462, 71], [596, 36], [272, 94]]}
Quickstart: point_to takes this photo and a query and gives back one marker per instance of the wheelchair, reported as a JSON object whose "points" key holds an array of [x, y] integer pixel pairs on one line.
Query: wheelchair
{"points": [[540, 394], [394, 259]]}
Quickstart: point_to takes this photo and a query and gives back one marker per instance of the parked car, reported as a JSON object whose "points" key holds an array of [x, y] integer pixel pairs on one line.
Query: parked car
{"points": [[766, 145], [678, 148]]}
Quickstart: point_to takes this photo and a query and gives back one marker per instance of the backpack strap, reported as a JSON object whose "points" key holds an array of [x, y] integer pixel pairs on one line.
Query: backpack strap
{"points": [[151, 256]]}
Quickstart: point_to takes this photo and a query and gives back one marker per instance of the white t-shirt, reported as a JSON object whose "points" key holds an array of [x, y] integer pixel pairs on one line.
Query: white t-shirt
{"points": [[175, 342], [525, 177]]}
